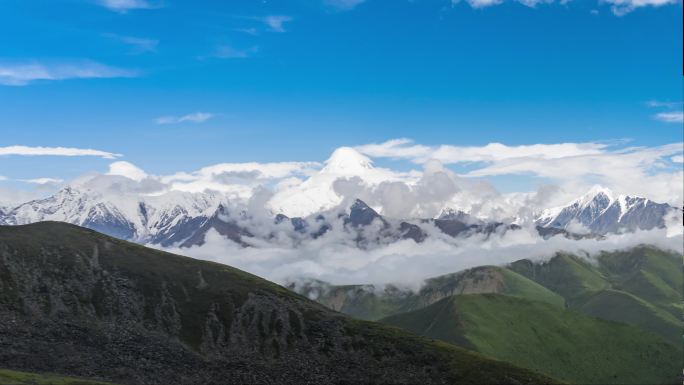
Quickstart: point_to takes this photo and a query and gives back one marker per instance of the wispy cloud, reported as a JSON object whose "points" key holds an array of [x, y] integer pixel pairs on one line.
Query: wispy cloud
{"points": [[618, 7], [230, 52], [42, 181], [21, 74], [482, 3], [195, 117], [343, 5], [124, 6], [275, 23], [659, 103], [623, 7], [138, 45], [55, 151], [670, 117]]}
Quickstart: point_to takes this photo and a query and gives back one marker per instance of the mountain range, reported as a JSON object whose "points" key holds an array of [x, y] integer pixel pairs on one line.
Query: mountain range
{"points": [[183, 219], [613, 319]]}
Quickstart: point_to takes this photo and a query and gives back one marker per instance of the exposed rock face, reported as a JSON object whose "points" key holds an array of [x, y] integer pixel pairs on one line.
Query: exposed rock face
{"points": [[600, 211], [79, 303]]}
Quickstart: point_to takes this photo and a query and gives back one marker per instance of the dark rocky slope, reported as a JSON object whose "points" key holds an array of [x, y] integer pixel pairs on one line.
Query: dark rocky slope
{"points": [[76, 302]]}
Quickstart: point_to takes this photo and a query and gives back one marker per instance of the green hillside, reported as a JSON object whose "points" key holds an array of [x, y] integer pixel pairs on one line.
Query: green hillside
{"points": [[79, 303], [564, 344], [641, 287], [364, 302]]}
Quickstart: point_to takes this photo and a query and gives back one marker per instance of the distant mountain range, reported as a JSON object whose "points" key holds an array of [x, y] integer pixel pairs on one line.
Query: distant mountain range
{"points": [[575, 320], [183, 219]]}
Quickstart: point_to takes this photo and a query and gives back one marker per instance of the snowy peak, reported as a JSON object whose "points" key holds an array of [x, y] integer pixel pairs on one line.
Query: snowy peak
{"points": [[601, 211], [597, 196], [157, 219], [347, 161]]}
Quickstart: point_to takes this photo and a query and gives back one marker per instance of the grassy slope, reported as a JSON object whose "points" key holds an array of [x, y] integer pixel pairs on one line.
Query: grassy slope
{"points": [[11, 377], [563, 344], [624, 307], [520, 286], [365, 304], [641, 286], [153, 268]]}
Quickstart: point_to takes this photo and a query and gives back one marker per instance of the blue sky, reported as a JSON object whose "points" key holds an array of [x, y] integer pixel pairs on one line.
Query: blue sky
{"points": [[293, 80]]}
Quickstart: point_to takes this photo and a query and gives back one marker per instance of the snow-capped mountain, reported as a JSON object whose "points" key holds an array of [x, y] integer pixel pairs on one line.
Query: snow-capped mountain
{"points": [[317, 193], [601, 211], [184, 219], [163, 219]]}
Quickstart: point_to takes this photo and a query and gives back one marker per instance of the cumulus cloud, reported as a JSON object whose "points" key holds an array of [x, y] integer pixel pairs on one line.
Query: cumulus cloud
{"points": [[128, 170], [55, 151], [670, 117], [195, 117], [21, 74], [576, 166]]}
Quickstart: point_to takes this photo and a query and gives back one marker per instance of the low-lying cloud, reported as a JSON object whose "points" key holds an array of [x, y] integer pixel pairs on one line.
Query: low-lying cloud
{"points": [[336, 258]]}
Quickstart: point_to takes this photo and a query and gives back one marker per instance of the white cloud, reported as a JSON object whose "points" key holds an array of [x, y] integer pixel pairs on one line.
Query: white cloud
{"points": [[618, 7], [139, 45], [128, 170], [677, 159], [43, 181], [447, 154], [336, 258], [671, 117], [230, 52], [483, 3], [195, 117], [343, 4], [622, 7], [3, 177], [26, 73], [126, 5], [576, 166], [275, 23], [658, 103], [55, 151]]}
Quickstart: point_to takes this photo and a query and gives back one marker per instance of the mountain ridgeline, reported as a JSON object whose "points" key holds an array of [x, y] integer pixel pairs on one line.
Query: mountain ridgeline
{"points": [[78, 303], [614, 319], [184, 219]]}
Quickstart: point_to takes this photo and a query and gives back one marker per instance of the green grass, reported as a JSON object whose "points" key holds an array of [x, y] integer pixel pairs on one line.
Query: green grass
{"points": [[624, 307], [563, 344], [641, 286], [366, 304], [567, 275], [519, 286], [12, 377]]}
